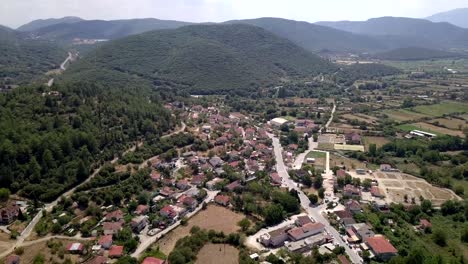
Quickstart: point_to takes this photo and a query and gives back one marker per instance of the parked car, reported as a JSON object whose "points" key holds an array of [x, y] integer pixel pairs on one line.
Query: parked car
{"points": [[153, 231]]}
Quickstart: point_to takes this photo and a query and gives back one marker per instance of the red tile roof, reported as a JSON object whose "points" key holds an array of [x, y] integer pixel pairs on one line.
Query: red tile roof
{"points": [[117, 214], [112, 225], [222, 199], [380, 245], [98, 260], [116, 251], [105, 239], [151, 260]]}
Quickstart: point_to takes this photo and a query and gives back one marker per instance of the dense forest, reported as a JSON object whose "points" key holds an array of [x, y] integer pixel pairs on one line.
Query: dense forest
{"points": [[203, 59], [23, 60], [50, 141]]}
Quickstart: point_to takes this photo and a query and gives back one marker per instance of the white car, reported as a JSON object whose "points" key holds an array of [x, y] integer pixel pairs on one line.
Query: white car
{"points": [[153, 231]]}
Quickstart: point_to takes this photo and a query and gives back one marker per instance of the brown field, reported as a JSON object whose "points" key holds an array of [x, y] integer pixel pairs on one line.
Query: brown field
{"points": [[5, 242], [352, 117], [218, 253], [31, 251], [451, 123], [379, 141], [437, 129], [214, 217], [306, 101]]}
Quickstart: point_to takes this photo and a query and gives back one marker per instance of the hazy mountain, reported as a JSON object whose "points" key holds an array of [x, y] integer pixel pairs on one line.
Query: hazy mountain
{"points": [[457, 17], [201, 59], [415, 53], [315, 37], [41, 23], [100, 29], [404, 32], [23, 59]]}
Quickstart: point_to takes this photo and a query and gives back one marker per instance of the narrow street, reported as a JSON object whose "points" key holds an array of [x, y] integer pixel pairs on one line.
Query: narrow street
{"points": [[313, 212]]}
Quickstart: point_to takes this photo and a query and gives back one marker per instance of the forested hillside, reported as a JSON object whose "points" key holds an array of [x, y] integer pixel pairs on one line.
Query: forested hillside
{"points": [[48, 143], [22, 60], [200, 59], [41, 23]]}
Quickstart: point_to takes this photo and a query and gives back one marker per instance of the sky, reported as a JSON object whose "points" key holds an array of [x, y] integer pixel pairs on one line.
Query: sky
{"points": [[14, 13]]}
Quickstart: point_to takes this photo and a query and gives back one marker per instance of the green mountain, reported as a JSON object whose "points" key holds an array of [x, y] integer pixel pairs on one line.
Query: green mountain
{"points": [[100, 29], [200, 59], [415, 53], [41, 23], [400, 32], [457, 17], [24, 59], [314, 37]]}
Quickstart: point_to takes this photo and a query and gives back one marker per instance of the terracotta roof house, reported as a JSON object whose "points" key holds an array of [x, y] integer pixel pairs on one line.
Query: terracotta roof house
{"points": [[9, 213], [138, 223], [340, 173], [363, 231], [190, 202], [233, 186], [275, 238], [350, 190], [116, 251], [275, 178], [168, 182], [305, 231], [12, 259], [198, 180], [152, 260], [168, 211], [424, 223], [215, 162], [111, 228], [155, 176], [141, 209], [381, 247], [166, 191], [353, 138], [114, 215], [222, 200], [75, 248], [303, 220], [376, 192], [183, 184], [353, 206], [105, 241]]}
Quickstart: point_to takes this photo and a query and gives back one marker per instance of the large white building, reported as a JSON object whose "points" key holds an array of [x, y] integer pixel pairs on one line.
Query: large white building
{"points": [[278, 121]]}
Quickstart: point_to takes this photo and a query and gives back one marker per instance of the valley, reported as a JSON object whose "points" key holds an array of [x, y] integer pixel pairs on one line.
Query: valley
{"points": [[248, 141]]}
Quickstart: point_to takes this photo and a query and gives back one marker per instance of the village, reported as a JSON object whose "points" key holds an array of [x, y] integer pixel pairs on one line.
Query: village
{"points": [[235, 162]]}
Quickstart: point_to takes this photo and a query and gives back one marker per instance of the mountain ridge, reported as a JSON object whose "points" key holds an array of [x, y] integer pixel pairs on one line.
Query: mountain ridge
{"points": [[457, 17], [41, 23]]}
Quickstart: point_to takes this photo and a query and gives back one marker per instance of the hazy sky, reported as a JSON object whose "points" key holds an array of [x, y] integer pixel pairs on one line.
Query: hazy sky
{"points": [[14, 13]]}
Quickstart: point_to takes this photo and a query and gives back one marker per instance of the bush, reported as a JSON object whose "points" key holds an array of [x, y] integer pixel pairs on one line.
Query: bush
{"points": [[19, 251]]}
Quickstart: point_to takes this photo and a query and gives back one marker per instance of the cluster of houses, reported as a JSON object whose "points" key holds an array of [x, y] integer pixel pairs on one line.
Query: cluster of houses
{"points": [[299, 238], [360, 235]]}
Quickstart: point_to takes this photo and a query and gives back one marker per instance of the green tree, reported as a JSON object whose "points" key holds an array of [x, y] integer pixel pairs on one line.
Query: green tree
{"points": [[439, 237], [273, 214], [4, 194], [313, 198], [244, 224], [321, 193], [372, 150]]}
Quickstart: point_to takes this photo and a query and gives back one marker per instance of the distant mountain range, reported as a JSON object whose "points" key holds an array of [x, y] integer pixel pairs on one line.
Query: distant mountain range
{"points": [[457, 17], [400, 32], [415, 53], [201, 59], [41, 23], [100, 29]]}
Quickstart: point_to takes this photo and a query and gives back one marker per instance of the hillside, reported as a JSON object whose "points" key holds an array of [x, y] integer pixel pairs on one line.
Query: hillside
{"points": [[314, 37], [201, 59], [415, 53], [406, 32], [100, 29], [41, 23], [457, 17], [23, 60]]}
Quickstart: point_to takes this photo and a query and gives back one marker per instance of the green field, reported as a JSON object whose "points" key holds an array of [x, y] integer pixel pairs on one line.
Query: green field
{"points": [[441, 109], [410, 127], [403, 115], [316, 154]]}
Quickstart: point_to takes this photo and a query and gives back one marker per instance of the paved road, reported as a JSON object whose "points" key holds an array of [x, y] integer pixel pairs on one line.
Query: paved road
{"points": [[314, 212], [64, 63], [146, 241], [329, 120], [181, 129]]}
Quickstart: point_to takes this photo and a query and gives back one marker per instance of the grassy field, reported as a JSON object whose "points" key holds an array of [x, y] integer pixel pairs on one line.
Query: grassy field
{"points": [[440, 130], [410, 127], [378, 141], [218, 253], [403, 115], [452, 123], [442, 108], [316, 154], [349, 147]]}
